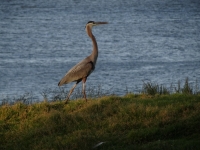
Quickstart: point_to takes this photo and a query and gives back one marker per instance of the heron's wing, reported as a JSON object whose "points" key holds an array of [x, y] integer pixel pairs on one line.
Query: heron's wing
{"points": [[79, 71]]}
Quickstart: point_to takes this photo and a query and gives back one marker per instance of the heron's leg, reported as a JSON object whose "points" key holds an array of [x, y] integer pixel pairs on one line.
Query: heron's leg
{"points": [[70, 92], [84, 82]]}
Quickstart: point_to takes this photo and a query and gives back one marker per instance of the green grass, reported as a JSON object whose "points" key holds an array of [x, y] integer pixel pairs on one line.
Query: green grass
{"points": [[128, 122]]}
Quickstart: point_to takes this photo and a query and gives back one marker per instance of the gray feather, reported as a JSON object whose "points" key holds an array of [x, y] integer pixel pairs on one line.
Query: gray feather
{"points": [[79, 71]]}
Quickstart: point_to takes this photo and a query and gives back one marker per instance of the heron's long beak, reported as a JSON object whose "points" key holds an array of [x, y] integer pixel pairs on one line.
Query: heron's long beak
{"points": [[99, 23]]}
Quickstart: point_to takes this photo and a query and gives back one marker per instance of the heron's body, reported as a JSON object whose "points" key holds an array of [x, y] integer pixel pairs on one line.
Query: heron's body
{"points": [[83, 69], [78, 72]]}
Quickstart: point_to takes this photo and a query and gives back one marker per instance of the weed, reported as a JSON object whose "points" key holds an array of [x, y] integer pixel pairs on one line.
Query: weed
{"points": [[187, 89], [155, 89]]}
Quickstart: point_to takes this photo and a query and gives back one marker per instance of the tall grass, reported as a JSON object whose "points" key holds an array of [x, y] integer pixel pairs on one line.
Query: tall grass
{"points": [[154, 88]]}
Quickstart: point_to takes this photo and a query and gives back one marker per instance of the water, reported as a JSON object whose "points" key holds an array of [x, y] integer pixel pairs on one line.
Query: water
{"points": [[152, 40]]}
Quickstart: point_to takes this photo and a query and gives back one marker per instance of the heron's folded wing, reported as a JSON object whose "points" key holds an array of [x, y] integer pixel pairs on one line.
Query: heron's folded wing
{"points": [[79, 71]]}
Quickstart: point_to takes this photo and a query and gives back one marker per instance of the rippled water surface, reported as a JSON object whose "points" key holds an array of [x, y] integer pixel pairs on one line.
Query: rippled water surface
{"points": [[150, 40]]}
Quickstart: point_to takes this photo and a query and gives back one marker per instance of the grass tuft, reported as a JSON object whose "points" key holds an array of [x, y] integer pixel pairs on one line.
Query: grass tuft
{"points": [[153, 89], [156, 89]]}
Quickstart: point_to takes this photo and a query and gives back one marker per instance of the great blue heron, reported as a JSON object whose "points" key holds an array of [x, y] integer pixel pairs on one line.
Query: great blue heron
{"points": [[84, 68]]}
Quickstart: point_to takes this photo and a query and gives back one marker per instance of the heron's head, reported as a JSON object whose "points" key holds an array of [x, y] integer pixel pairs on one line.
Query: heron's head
{"points": [[90, 24]]}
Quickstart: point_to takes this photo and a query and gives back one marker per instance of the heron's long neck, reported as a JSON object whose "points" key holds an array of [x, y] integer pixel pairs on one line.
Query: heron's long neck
{"points": [[94, 54]]}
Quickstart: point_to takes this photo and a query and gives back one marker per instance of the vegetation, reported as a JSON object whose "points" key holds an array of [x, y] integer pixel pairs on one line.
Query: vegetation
{"points": [[129, 122], [154, 88], [149, 120]]}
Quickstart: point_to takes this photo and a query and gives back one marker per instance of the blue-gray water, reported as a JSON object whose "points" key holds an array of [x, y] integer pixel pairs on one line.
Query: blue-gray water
{"points": [[150, 40]]}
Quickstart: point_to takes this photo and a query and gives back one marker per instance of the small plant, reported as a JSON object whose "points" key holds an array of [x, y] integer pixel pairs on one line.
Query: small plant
{"points": [[150, 88], [187, 89], [153, 89], [178, 89], [197, 91]]}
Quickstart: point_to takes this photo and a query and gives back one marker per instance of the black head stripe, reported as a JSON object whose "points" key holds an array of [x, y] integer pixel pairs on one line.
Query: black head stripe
{"points": [[91, 22]]}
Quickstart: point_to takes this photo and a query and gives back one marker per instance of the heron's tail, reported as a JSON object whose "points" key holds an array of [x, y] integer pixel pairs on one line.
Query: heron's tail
{"points": [[59, 84], [64, 80]]}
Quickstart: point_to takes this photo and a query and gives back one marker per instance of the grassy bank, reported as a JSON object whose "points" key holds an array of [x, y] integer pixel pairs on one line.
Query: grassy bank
{"points": [[129, 122]]}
